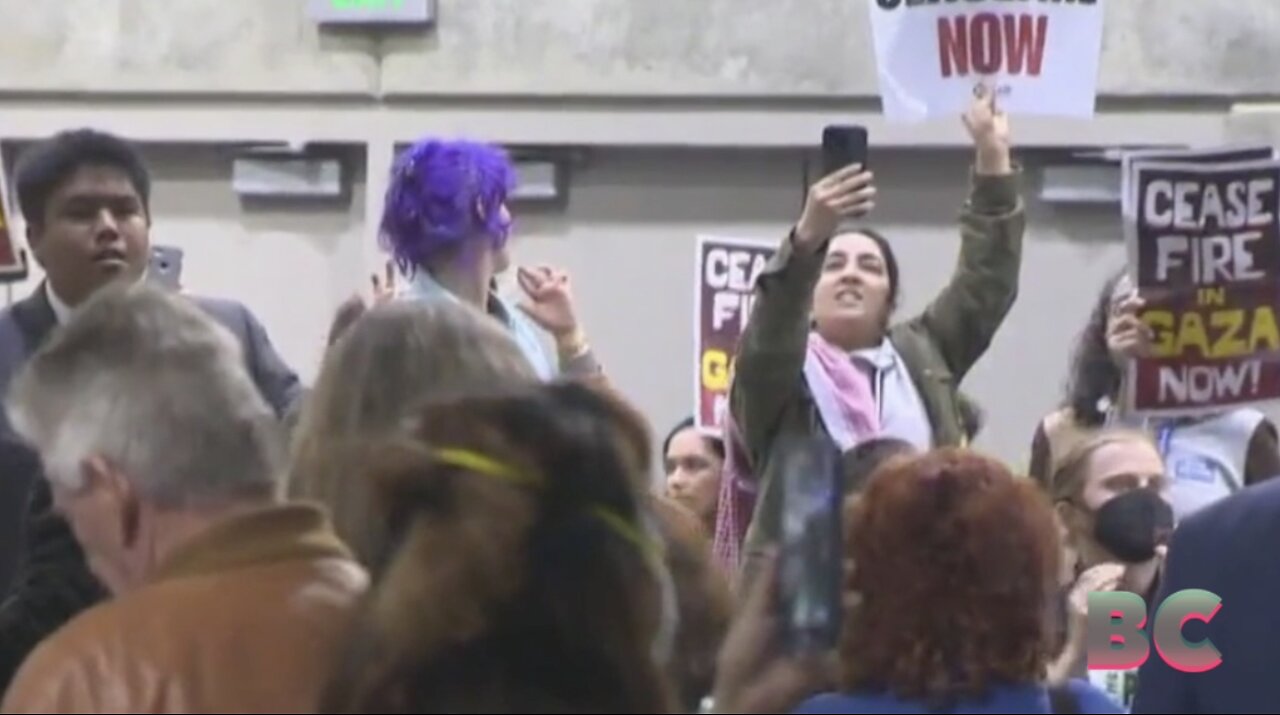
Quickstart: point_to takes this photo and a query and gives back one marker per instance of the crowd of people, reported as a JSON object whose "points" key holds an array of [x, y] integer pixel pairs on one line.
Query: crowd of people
{"points": [[460, 514]]}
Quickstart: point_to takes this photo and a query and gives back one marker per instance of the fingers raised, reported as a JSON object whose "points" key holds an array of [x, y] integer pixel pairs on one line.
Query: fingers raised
{"points": [[527, 281], [1130, 305], [855, 182], [862, 195], [842, 175]]}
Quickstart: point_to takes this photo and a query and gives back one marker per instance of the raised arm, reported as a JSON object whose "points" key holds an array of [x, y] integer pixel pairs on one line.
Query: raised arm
{"points": [[964, 317], [771, 352], [549, 304]]}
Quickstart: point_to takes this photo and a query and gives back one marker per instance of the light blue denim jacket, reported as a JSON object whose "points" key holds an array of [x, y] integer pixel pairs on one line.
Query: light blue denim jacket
{"points": [[424, 287]]}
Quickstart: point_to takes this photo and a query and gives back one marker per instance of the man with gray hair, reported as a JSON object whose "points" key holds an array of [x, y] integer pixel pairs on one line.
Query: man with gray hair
{"points": [[163, 456], [86, 197]]}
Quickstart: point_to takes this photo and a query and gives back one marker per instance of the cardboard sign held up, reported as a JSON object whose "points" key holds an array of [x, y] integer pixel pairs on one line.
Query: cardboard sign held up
{"points": [[1204, 246]]}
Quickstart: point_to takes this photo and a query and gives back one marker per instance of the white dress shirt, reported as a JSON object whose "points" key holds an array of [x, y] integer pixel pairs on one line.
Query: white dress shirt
{"points": [[61, 310]]}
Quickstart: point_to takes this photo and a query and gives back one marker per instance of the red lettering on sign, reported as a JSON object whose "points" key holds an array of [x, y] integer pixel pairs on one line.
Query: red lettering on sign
{"points": [[987, 44]]}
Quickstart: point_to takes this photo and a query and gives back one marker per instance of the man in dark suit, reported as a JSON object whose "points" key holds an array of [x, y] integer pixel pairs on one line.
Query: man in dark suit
{"points": [[1224, 549], [85, 196]]}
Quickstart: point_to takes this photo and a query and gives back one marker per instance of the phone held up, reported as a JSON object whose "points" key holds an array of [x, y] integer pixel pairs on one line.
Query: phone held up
{"points": [[843, 145], [166, 267], [811, 558]]}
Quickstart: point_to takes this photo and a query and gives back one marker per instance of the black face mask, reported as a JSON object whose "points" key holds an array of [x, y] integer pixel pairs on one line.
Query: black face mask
{"points": [[1132, 525]]}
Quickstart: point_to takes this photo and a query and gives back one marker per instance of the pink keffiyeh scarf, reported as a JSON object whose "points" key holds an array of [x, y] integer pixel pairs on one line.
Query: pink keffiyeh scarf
{"points": [[844, 400]]}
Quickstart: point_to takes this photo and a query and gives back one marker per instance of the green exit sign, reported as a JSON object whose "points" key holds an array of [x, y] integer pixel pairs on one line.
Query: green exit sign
{"points": [[376, 12]]}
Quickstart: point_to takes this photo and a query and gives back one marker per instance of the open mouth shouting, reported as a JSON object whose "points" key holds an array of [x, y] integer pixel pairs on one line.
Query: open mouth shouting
{"points": [[848, 297]]}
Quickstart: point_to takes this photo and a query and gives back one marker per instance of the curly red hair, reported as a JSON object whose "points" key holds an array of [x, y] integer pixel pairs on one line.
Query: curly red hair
{"points": [[954, 561]]}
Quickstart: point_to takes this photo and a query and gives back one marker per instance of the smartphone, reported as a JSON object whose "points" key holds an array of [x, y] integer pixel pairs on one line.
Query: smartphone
{"points": [[843, 145], [166, 267], [811, 558]]}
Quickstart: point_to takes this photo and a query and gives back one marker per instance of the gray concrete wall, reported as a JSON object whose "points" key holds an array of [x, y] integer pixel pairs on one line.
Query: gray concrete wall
{"points": [[582, 47]]}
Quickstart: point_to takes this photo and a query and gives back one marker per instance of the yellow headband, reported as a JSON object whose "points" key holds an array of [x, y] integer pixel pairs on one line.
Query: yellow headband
{"points": [[480, 464], [651, 552], [489, 467]]}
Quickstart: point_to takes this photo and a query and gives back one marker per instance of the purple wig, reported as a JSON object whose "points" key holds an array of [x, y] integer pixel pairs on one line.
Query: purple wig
{"points": [[445, 197]]}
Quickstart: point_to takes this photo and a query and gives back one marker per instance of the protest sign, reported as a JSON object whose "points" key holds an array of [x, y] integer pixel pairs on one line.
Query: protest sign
{"points": [[1129, 160], [12, 266], [1224, 155], [1041, 57], [724, 291], [1206, 259]]}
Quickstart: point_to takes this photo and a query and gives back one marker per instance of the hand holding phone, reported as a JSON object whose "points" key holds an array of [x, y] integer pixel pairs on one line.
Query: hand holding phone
{"points": [[811, 560], [846, 192], [843, 145]]}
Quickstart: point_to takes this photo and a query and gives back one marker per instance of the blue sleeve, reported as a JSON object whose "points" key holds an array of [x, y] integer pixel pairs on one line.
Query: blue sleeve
{"points": [[828, 703], [278, 384], [1161, 689], [1092, 700]]}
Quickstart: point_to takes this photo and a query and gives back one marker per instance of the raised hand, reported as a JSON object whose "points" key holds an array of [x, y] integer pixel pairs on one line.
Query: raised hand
{"points": [[384, 290], [1102, 577], [1127, 336], [845, 193], [548, 300], [988, 126]]}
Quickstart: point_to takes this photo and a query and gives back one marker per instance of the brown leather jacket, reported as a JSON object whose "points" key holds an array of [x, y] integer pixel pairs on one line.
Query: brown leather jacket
{"points": [[247, 617]]}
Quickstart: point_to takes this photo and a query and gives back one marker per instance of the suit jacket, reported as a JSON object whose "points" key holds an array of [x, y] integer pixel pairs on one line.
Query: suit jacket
{"points": [[1225, 548], [42, 568]]}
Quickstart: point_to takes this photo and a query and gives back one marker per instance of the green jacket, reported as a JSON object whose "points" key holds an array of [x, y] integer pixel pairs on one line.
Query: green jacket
{"points": [[769, 399]]}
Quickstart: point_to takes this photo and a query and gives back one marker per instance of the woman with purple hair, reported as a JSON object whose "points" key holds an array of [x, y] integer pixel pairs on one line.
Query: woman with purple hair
{"points": [[446, 225]]}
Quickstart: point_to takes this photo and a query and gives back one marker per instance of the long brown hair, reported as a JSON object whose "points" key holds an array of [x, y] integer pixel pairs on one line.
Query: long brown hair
{"points": [[523, 580], [389, 362]]}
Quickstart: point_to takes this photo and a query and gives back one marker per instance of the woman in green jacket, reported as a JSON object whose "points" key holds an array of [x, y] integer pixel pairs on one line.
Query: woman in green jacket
{"points": [[844, 286]]}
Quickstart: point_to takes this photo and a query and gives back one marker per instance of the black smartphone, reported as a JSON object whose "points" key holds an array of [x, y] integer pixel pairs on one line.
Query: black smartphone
{"points": [[166, 267], [843, 145], [811, 558]]}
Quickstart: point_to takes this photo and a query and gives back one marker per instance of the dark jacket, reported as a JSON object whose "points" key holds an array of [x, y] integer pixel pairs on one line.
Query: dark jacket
{"points": [[42, 567], [1224, 549], [769, 399]]}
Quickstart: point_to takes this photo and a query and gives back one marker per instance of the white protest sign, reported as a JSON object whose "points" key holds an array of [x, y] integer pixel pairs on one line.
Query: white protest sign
{"points": [[1042, 57]]}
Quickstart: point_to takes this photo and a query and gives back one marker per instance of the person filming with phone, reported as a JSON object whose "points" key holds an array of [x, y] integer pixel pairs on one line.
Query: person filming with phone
{"points": [[820, 353]]}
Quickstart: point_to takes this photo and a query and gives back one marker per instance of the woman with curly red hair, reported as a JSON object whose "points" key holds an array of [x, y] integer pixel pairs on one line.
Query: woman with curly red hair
{"points": [[956, 563]]}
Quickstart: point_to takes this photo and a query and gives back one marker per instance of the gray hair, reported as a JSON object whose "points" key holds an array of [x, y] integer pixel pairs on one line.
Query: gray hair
{"points": [[148, 381]]}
